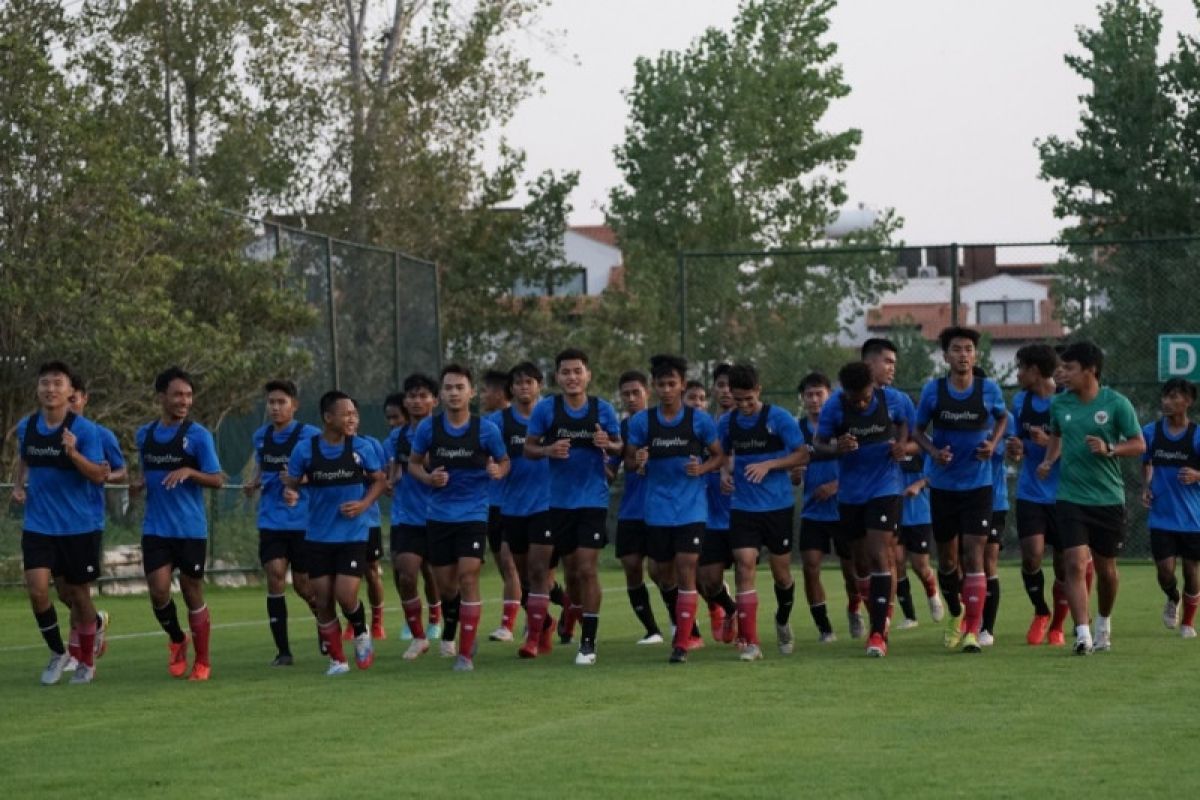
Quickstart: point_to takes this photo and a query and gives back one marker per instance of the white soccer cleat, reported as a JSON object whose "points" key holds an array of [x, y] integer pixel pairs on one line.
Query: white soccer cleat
{"points": [[72, 664], [587, 659], [906, 624], [103, 618], [1187, 631], [406, 633], [936, 610], [1170, 615], [787, 642], [986, 639], [54, 669], [827, 638], [337, 668], [653, 638], [83, 674], [448, 649], [463, 664], [751, 652], [501, 634], [855, 620], [1083, 646], [1103, 641], [416, 649]]}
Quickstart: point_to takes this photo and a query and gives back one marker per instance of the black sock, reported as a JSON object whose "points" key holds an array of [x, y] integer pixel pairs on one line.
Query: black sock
{"points": [[169, 620], [321, 645], [524, 595], [991, 605], [784, 597], [904, 597], [277, 616], [950, 583], [357, 619], [1035, 587], [47, 622], [820, 616], [669, 597], [1171, 590], [556, 594], [881, 598], [723, 599], [588, 625], [639, 598], [450, 618]]}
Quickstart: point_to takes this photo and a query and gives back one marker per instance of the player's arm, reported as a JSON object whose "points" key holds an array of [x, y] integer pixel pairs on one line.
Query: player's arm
{"points": [[93, 471], [1147, 476], [1053, 452], [255, 483], [18, 490], [498, 469], [418, 469], [353, 508], [716, 458]]}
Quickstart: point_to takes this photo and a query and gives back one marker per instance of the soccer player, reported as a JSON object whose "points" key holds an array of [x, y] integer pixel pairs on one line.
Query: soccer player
{"points": [[179, 461], [632, 544], [819, 529], [765, 443], [577, 433], [695, 395], [410, 507], [915, 534], [969, 418], [867, 426], [374, 517], [717, 555], [1090, 427], [667, 443], [62, 456], [333, 465], [991, 553], [456, 454], [496, 397], [1172, 493], [282, 512], [1036, 521]]}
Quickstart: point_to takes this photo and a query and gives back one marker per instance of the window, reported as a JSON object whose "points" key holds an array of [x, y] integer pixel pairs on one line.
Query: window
{"points": [[568, 282], [1004, 312]]}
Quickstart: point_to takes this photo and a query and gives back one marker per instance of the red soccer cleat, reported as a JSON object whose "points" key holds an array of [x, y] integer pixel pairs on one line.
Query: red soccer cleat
{"points": [[348, 634], [1037, 629], [876, 646], [546, 643], [694, 643], [200, 672], [1056, 638], [528, 650], [377, 631], [717, 618], [177, 660]]}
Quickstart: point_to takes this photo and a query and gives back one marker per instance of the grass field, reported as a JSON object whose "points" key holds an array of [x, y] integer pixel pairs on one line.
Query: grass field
{"points": [[1012, 722]]}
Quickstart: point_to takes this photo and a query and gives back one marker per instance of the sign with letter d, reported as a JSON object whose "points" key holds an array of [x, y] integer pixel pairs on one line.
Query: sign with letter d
{"points": [[1179, 356]]}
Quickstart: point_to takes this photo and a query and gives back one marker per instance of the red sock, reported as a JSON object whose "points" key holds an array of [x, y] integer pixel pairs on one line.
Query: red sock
{"points": [[435, 613], [1089, 575], [376, 616], [930, 584], [864, 588], [508, 618], [685, 616], [747, 611], [412, 615], [87, 642], [536, 608], [1061, 606], [974, 594], [468, 627], [73, 644], [201, 625], [331, 634], [1190, 603]]}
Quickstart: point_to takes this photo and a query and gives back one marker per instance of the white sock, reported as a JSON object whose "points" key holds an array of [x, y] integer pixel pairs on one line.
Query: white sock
{"points": [[1103, 624], [1083, 632]]}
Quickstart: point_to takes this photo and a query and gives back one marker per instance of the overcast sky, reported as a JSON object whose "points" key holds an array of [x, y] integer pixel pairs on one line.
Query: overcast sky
{"points": [[949, 95]]}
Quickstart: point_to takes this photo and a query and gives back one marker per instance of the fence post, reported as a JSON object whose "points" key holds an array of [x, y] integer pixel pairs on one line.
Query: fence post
{"points": [[396, 318], [333, 345], [954, 296], [680, 261], [437, 313]]}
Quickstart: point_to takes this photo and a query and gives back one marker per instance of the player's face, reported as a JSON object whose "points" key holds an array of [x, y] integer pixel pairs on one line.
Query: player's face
{"points": [[281, 407], [859, 400], [633, 397], [456, 392], [353, 422], [53, 389], [419, 403], [573, 376], [342, 417], [1175, 403], [493, 398], [722, 394], [177, 399], [669, 389], [526, 390], [696, 397], [960, 355], [1026, 375], [1060, 374], [394, 416], [746, 400], [1074, 376], [883, 367], [77, 402], [813, 398]]}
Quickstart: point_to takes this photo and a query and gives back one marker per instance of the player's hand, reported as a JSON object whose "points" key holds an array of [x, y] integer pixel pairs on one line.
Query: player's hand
{"points": [[985, 449], [1043, 470], [944, 456], [1098, 446], [805, 456], [726, 483], [69, 440], [825, 491], [897, 450], [290, 497], [18, 495], [797, 475], [176, 477], [693, 467], [250, 488], [560, 449], [847, 443], [1188, 476], [914, 488], [757, 472], [1148, 497], [353, 508], [600, 439], [439, 477], [641, 457], [1014, 448], [493, 469], [1039, 435]]}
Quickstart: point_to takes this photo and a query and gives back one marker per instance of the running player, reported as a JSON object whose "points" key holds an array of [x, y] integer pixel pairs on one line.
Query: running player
{"points": [[62, 456], [991, 553], [282, 512], [178, 461], [456, 453], [716, 556], [819, 529], [577, 433], [1172, 493], [915, 534], [372, 575], [867, 426], [765, 443], [1090, 427], [969, 419], [666, 444], [333, 465], [496, 397]]}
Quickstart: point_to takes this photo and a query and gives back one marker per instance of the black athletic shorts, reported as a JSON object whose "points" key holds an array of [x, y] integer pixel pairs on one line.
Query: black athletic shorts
{"points": [[450, 541], [520, 532], [996, 532], [877, 514], [1169, 544], [374, 544], [957, 513], [288, 545], [757, 529], [716, 549], [186, 555], [494, 533], [412, 539], [823, 535], [916, 538], [574, 528], [335, 558], [75, 558], [1102, 528], [663, 542], [1037, 518], [631, 538]]}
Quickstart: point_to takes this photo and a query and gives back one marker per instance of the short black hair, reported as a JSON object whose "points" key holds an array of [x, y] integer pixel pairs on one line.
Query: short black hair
{"points": [[285, 386], [78, 383], [664, 364], [419, 380], [1041, 357], [743, 377], [331, 398], [633, 376], [526, 369], [957, 332], [1181, 385], [395, 399], [855, 376], [721, 369], [815, 378], [694, 384], [56, 368], [1085, 354], [172, 374], [877, 345], [496, 379], [570, 354], [456, 369]]}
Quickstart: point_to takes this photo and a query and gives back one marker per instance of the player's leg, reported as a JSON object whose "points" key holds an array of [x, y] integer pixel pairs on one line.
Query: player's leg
{"points": [[346, 584], [433, 599], [1191, 586], [587, 562], [686, 543], [1163, 547], [814, 591], [944, 512], [467, 571], [879, 562], [1033, 548], [785, 597], [191, 586], [991, 603], [322, 574], [899, 557], [38, 559], [1073, 536], [745, 566], [373, 577], [630, 551], [538, 622], [974, 587], [917, 540], [157, 563], [277, 613]]}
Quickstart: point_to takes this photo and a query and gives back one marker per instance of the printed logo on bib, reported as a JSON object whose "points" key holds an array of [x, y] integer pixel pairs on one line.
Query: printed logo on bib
{"points": [[1101, 417]]}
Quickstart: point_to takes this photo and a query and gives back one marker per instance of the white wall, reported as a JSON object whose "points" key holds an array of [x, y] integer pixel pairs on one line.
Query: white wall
{"points": [[595, 257]]}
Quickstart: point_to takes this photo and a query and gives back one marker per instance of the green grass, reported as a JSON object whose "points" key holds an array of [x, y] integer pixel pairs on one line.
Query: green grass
{"points": [[1013, 722]]}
